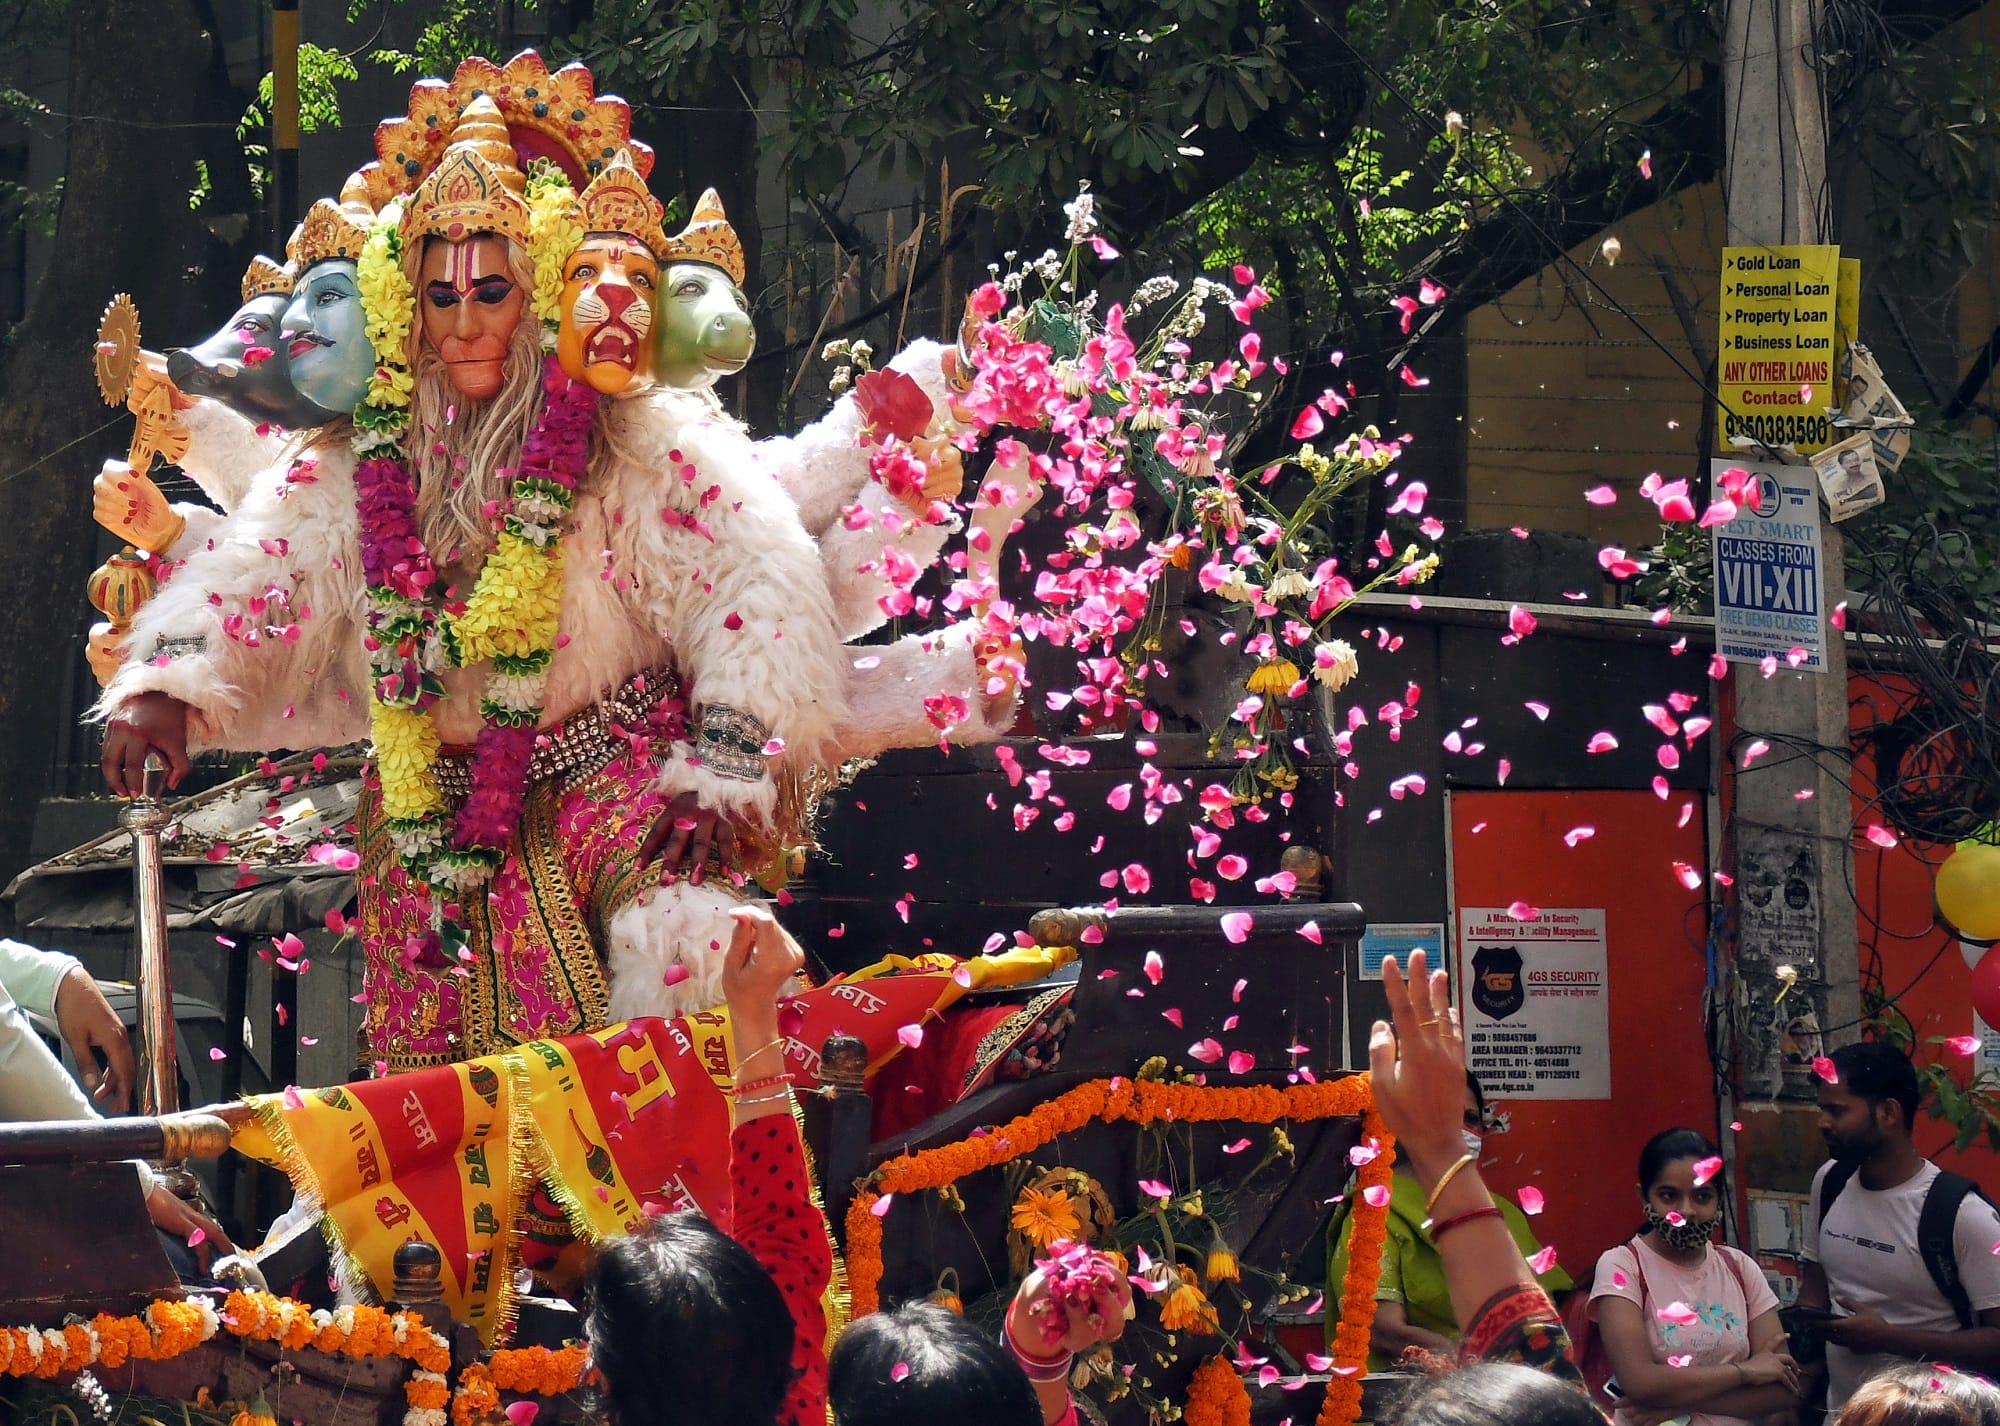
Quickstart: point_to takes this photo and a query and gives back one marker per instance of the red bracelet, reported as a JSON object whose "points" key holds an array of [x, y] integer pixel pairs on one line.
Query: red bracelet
{"points": [[1438, 1230]]}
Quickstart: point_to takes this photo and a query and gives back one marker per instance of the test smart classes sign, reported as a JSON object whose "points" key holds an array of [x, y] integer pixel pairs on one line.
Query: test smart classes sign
{"points": [[1776, 346], [1769, 584]]}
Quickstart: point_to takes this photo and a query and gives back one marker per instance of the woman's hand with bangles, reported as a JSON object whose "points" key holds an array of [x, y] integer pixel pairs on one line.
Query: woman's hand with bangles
{"points": [[1418, 1067]]}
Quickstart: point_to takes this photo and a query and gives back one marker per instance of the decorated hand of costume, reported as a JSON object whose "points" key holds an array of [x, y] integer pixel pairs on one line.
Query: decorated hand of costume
{"points": [[1009, 491], [150, 722], [151, 372], [1075, 1298], [88, 1023], [687, 831], [132, 507], [104, 651], [1419, 1066], [944, 472], [173, 1214]]}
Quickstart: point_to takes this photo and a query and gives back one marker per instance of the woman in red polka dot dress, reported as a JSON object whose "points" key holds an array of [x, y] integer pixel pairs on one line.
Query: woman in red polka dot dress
{"points": [[689, 1325]]}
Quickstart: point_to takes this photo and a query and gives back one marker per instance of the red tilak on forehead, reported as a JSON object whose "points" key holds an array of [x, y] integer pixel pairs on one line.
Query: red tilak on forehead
{"points": [[462, 263]]}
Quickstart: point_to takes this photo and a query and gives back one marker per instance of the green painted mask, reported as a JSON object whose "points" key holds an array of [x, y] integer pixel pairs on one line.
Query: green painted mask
{"points": [[703, 331]]}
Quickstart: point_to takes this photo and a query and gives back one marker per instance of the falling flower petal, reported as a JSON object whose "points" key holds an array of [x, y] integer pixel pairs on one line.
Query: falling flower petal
{"points": [[1231, 867], [1600, 495], [880, 1207], [1540, 710], [1706, 1169], [1311, 932], [1881, 836], [899, 1372], [1579, 834], [911, 1035], [1962, 1044], [1544, 1260], [1522, 911], [1678, 1313], [1241, 1062], [1153, 1188], [1531, 1200], [523, 1413], [1824, 1068], [1155, 967], [1207, 1051], [1376, 1195]]}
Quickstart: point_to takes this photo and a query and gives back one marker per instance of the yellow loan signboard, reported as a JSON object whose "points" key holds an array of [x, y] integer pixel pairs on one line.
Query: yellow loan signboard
{"points": [[1775, 347]]}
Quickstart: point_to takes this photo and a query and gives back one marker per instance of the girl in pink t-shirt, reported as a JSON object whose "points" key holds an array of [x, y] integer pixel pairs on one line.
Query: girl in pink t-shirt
{"points": [[1690, 1327]]}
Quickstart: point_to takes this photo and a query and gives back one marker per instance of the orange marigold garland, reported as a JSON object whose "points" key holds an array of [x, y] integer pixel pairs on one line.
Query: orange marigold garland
{"points": [[1146, 1102], [1216, 1396]]}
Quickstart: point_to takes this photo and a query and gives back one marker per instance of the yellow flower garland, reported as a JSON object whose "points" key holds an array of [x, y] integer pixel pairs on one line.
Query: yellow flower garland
{"points": [[406, 745], [553, 234], [389, 305], [515, 605], [1146, 1102]]}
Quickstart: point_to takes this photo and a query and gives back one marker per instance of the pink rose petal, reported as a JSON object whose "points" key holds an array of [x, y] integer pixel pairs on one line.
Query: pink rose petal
{"points": [[1375, 1195], [1823, 1067], [1531, 1200], [1236, 927], [1153, 1188], [1241, 1062], [1706, 1169], [1206, 1050], [1544, 1260], [911, 1035]]}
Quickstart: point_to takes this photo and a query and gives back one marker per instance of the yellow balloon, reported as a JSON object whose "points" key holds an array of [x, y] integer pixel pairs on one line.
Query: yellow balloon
{"points": [[1968, 890]]}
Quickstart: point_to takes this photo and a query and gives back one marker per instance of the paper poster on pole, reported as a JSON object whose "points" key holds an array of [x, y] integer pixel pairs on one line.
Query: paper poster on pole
{"points": [[1769, 585], [1775, 345], [1398, 939], [1533, 999], [1846, 325]]}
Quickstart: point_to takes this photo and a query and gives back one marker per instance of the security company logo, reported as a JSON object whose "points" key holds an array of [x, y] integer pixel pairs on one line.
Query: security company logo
{"points": [[1497, 987]]}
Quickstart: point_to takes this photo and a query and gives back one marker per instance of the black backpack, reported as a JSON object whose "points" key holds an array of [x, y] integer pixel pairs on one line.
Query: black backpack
{"points": [[1935, 1224]]}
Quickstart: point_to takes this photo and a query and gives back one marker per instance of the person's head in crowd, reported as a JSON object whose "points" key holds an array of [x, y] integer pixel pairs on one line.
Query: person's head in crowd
{"points": [[1475, 1114], [1923, 1395], [685, 1327], [923, 1363], [1680, 1189], [1492, 1394], [1869, 1105]]}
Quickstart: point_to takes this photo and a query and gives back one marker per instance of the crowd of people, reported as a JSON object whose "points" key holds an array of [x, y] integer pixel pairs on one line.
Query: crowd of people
{"points": [[1897, 1317]]}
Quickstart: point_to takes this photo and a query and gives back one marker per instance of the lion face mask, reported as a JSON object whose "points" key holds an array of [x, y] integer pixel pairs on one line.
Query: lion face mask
{"points": [[609, 284]]}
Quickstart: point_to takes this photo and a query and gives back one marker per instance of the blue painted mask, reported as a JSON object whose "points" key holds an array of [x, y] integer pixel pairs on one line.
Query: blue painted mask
{"points": [[326, 338]]}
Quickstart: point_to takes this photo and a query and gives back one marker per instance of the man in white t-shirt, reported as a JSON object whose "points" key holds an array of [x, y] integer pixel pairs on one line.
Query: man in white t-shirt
{"points": [[1892, 1300]]}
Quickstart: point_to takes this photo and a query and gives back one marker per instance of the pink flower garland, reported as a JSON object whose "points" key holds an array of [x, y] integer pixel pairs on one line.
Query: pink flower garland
{"points": [[555, 453], [397, 569]]}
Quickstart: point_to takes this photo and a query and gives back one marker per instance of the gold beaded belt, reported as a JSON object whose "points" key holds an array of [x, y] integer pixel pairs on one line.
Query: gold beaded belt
{"points": [[582, 744]]}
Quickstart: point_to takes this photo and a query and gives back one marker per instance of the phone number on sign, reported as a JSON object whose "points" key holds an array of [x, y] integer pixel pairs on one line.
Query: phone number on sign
{"points": [[1780, 430]]}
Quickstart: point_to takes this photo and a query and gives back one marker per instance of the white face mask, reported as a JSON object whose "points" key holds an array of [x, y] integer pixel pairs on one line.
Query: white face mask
{"points": [[1474, 1143]]}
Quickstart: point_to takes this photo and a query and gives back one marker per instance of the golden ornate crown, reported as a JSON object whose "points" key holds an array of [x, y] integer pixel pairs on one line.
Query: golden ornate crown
{"points": [[708, 238], [618, 201], [476, 187], [264, 277], [332, 229], [557, 116]]}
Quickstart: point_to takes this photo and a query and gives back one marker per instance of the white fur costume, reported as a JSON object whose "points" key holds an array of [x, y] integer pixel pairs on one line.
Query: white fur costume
{"points": [[259, 630]]}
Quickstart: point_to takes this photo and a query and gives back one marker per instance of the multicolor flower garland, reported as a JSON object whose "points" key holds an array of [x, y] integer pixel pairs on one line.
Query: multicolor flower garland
{"points": [[512, 615], [167, 1329], [1145, 1102]]}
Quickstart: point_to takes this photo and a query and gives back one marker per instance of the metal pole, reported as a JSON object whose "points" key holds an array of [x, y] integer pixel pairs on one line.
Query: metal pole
{"points": [[145, 817]]}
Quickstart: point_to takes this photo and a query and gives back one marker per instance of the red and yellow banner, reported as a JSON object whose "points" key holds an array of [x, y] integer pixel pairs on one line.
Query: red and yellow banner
{"points": [[615, 1121]]}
